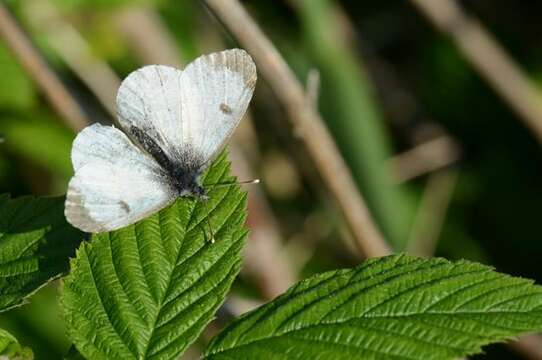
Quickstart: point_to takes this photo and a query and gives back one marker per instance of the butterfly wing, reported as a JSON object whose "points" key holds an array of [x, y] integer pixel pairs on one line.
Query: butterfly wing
{"points": [[189, 114], [148, 102], [216, 91], [115, 183]]}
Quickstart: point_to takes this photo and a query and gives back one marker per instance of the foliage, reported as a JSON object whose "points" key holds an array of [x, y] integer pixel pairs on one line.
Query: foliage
{"points": [[148, 290], [11, 349], [389, 82], [396, 307], [35, 244]]}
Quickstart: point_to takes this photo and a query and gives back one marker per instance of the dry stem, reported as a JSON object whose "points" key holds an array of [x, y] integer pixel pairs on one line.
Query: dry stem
{"points": [[424, 158], [148, 37], [55, 92], [273, 273], [489, 58], [304, 117], [75, 51]]}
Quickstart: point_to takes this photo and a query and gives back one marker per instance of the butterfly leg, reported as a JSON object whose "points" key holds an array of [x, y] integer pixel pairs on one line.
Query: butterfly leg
{"points": [[208, 221]]}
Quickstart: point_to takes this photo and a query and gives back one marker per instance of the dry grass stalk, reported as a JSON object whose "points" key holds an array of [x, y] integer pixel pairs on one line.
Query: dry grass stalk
{"points": [[148, 37], [424, 158], [308, 121], [489, 58], [54, 90], [75, 51], [272, 272]]}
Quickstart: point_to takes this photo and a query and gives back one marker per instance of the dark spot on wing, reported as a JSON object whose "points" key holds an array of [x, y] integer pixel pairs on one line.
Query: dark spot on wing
{"points": [[225, 109], [124, 205]]}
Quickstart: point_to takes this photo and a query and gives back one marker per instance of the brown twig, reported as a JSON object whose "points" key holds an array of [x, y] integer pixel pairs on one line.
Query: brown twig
{"points": [[529, 346], [424, 158], [490, 59], [148, 37], [313, 87], [304, 117], [53, 89]]}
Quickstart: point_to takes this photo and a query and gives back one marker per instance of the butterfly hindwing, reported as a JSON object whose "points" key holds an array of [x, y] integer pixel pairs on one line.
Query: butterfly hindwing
{"points": [[115, 183]]}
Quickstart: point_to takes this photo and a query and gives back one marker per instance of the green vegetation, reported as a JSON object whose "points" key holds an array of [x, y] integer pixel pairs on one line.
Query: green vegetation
{"points": [[159, 288]]}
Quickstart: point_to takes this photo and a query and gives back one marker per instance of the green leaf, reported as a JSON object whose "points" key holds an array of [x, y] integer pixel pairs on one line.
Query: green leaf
{"points": [[396, 307], [35, 245], [11, 349], [148, 290]]}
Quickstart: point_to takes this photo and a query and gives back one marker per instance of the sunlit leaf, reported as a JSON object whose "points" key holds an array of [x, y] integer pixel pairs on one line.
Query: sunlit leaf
{"points": [[148, 290], [10, 348], [396, 307]]}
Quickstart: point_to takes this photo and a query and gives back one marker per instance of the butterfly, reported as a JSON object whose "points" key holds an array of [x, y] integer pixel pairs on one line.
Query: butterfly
{"points": [[173, 123]]}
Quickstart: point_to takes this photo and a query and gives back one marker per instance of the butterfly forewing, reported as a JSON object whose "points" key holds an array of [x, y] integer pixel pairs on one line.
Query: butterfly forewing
{"points": [[149, 101], [217, 89], [188, 112]]}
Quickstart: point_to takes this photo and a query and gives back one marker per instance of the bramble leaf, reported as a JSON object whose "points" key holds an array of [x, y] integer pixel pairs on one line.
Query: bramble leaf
{"points": [[148, 290], [36, 243], [396, 307], [11, 349]]}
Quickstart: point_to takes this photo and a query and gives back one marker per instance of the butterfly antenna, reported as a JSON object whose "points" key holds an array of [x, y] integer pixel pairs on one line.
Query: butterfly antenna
{"points": [[246, 182]]}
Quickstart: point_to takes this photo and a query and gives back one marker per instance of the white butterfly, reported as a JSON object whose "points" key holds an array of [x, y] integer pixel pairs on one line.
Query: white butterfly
{"points": [[173, 123]]}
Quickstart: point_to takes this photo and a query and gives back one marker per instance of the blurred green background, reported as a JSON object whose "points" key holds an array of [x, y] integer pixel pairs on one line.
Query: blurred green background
{"points": [[446, 166]]}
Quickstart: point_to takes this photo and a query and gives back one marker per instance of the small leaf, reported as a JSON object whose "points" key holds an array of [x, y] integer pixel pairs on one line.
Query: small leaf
{"points": [[10, 348], [148, 290], [36, 243], [396, 307]]}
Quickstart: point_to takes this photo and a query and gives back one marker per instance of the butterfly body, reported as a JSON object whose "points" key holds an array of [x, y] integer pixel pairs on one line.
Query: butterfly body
{"points": [[181, 173], [172, 124]]}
